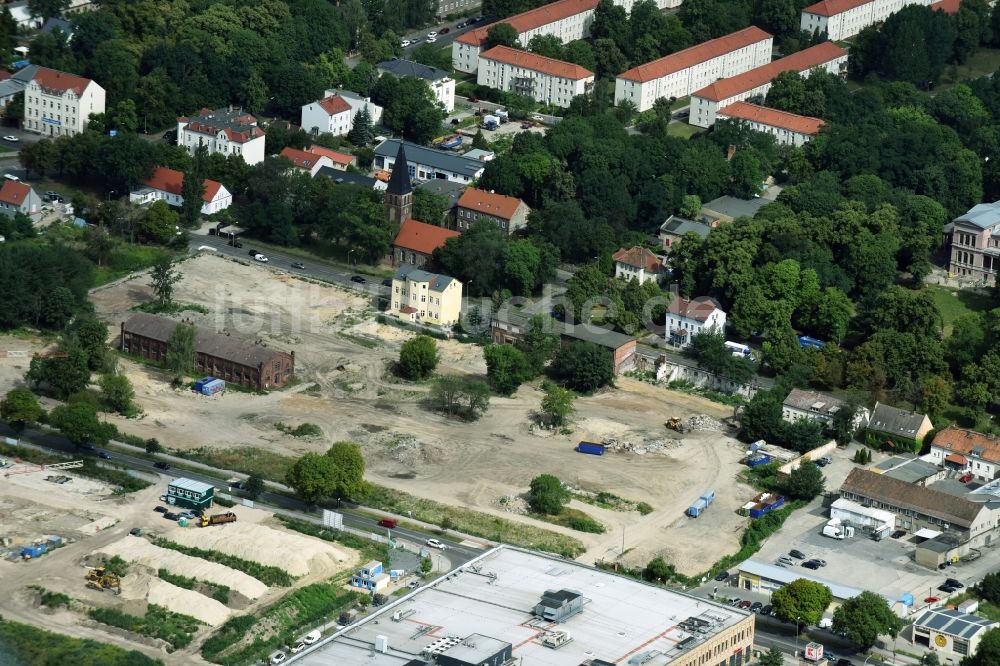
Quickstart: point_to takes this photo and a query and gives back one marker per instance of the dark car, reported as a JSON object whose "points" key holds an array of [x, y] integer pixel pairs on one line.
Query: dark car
{"points": [[797, 554], [899, 534], [170, 516], [52, 196], [160, 509], [445, 31], [948, 589], [526, 126], [104, 454], [358, 279], [723, 575], [766, 610], [161, 465], [299, 265], [252, 252], [387, 282], [88, 447], [235, 243], [954, 583], [455, 121], [811, 565], [756, 606], [170, 136], [135, 531], [844, 662]]}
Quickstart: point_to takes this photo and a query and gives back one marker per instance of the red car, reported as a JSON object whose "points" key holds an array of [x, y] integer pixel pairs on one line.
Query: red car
{"points": [[387, 522], [966, 478], [444, 31], [745, 604]]}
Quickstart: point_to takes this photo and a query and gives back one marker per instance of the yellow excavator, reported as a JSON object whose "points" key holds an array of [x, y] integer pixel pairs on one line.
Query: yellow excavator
{"points": [[674, 423], [100, 579]]}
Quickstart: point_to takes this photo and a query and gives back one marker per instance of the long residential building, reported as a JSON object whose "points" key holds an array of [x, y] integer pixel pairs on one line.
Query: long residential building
{"points": [[223, 131], [680, 74], [60, 104], [545, 80], [841, 19], [706, 102], [788, 129]]}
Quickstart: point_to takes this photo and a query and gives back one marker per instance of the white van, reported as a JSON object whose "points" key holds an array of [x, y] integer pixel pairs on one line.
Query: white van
{"points": [[10, 176]]}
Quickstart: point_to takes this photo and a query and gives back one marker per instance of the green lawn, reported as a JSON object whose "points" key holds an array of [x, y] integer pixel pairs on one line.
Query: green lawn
{"points": [[683, 130], [954, 303], [983, 62], [127, 259], [680, 103]]}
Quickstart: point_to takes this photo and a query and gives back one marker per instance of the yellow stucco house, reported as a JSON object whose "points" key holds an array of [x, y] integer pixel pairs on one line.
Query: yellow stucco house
{"points": [[428, 298]]}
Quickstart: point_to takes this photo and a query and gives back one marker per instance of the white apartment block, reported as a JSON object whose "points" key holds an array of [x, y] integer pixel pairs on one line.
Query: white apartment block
{"points": [[60, 104], [680, 74], [841, 19], [441, 84], [687, 318], [223, 131], [545, 80], [705, 103], [788, 129], [334, 114]]}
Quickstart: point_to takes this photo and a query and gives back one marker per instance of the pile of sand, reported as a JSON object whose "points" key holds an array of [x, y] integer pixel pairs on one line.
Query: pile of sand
{"points": [[132, 549], [187, 602], [296, 554]]}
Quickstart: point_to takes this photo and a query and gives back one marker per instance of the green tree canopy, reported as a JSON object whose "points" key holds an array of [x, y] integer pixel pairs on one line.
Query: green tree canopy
{"points": [[501, 34], [801, 601], [20, 408], [804, 482], [313, 477], [181, 351], [79, 423], [866, 617], [557, 403], [506, 368], [583, 367], [348, 469], [418, 357], [548, 494]]}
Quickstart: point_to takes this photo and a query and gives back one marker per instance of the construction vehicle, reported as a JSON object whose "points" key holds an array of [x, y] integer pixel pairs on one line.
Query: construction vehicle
{"points": [[218, 519], [100, 579], [674, 423]]}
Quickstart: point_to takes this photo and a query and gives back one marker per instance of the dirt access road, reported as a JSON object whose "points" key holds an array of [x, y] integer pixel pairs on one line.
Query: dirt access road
{"points": [[349, 391]]}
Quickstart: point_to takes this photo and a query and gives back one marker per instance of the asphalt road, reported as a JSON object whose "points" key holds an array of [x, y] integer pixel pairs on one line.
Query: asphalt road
{"points": [[442, 40], [456, 553]]}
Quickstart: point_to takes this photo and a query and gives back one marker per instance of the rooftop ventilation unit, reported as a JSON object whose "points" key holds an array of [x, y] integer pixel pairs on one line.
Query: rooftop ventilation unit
{"points": [[559, 605]]}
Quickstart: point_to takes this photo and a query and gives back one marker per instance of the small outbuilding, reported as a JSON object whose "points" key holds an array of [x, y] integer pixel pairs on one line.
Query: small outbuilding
{"points": [[190, 494]]}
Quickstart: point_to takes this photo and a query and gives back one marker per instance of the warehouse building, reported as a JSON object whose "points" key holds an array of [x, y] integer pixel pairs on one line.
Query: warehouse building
{"points": [[516, 606], [238, 361], [762, 577], [950, 631]]}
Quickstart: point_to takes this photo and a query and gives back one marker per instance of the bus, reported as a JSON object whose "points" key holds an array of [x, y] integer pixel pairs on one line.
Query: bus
{"points": [[738, 349]]}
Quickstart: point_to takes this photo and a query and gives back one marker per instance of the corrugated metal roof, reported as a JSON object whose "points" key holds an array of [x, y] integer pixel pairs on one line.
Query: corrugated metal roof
{"points": [[785, 576], [199, 487]]}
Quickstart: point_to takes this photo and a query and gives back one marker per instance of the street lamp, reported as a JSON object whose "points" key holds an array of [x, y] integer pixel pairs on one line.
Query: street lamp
{"points": [[349, 256], [797, 619]]}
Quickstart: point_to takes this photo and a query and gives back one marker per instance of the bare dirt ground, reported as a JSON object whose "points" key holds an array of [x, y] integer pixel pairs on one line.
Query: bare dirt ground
{"points": [[347, 388]]}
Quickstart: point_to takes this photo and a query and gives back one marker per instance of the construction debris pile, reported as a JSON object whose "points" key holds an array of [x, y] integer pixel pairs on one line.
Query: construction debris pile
{"points": [[704, 422], [512, 504], [647, 445]]}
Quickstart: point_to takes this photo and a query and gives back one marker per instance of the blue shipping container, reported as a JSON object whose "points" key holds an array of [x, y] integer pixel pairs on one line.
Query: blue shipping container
{"points": [[33, 551], [708, 496], [766, 508], [213, 387], [759, 459], [758, 445], [591, 448], [200, 384], [695, 509], [806, 341]]}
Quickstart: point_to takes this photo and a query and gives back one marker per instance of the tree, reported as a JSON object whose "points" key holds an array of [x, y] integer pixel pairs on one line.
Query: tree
{"points": [[843, 425], [91, 335], [254, 487], [988, 652], [548, 494], [118, 393], [690, 206], [468, 399], [762, 417], [658, 571], [801, 601], [501, 34], [539, 343], [583, 367], [429, 207], [479, 141], [746, 173], [712, 354], [181, 352], [773, 657], [363, 129], [46, 9], [20, 408], [153, 446], [866, 617], [348, 469], [159, 223], [313, 476], [79, 423], [418, 357], [193, 189], [63, 376], [506, 368], [163, 278], [805, 481], [557, 404]]}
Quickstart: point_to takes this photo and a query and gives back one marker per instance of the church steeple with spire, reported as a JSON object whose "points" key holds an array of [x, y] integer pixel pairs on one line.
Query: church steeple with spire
{"points": [[399, 194]]}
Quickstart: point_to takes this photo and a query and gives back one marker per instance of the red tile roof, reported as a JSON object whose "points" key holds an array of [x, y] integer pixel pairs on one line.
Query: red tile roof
{"points": [[964, 442], [639, 257], [765, 116], [498, 205], [14, 193], [51, 79], [834, 7], [421, 237], [947, 6], [689, 57], [337, 158], [4, 75], [698, 309], [533, 61], [802, 61], [534, 18], [168, 180], [334, 104], [301, 158]]}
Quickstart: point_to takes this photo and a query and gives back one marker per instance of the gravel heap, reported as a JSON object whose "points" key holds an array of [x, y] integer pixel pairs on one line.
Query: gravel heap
{"points": [[512, 504], [703, 422], [647, 445]]}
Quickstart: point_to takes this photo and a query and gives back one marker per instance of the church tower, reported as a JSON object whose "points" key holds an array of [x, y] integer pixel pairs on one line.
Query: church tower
{"points": [[399, 194]]}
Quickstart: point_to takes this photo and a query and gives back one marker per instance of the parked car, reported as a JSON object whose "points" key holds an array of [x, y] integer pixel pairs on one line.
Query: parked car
{"points": [[445, 30], [432, 33], [811, 565], [745, 604], [946, 588], [299, 265], [160, 509], [312, 637], [797, 554], [387, 282], [298, 647], [526, 126], [404, 43], [11, 138], [899, 534], [819, 561], [954, 583], [723, 575], [252, 252], [104, 454], [455, 121], [169, 515], [756, 606], [965, 478], [358, 279], [261, 258], [135, 531], [161, 465], [235, 243], [434, 543], [431, 40], [52, 195], [186, 514], [387, 522], [735, 601], [766, 610], [413, 584], [931, 600], [170, 136], [278, 657]]}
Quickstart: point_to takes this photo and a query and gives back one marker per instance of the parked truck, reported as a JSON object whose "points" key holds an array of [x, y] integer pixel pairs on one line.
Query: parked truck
{"points": [[218, 519], [836, 530], [450, 142], [490, 122]]}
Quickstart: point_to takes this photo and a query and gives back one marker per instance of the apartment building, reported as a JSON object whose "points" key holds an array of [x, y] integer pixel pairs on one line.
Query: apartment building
{"points": [[967, 451], [688, 317], [224, 131], [545, 80], [788, 129], [705, 103], [565, 19], [975, 244], [637, 263], [680, 74], [167, 184], [60, 104], [441, 84], [841, 19], [419, 296], [509, 213]]}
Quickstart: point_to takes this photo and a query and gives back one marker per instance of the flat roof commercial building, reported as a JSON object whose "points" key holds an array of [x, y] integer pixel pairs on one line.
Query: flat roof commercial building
{"points": [[513, 604], [788, 129], [545, 80], [762, 577], [229, 358], [680, 74], [705, 103]]}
